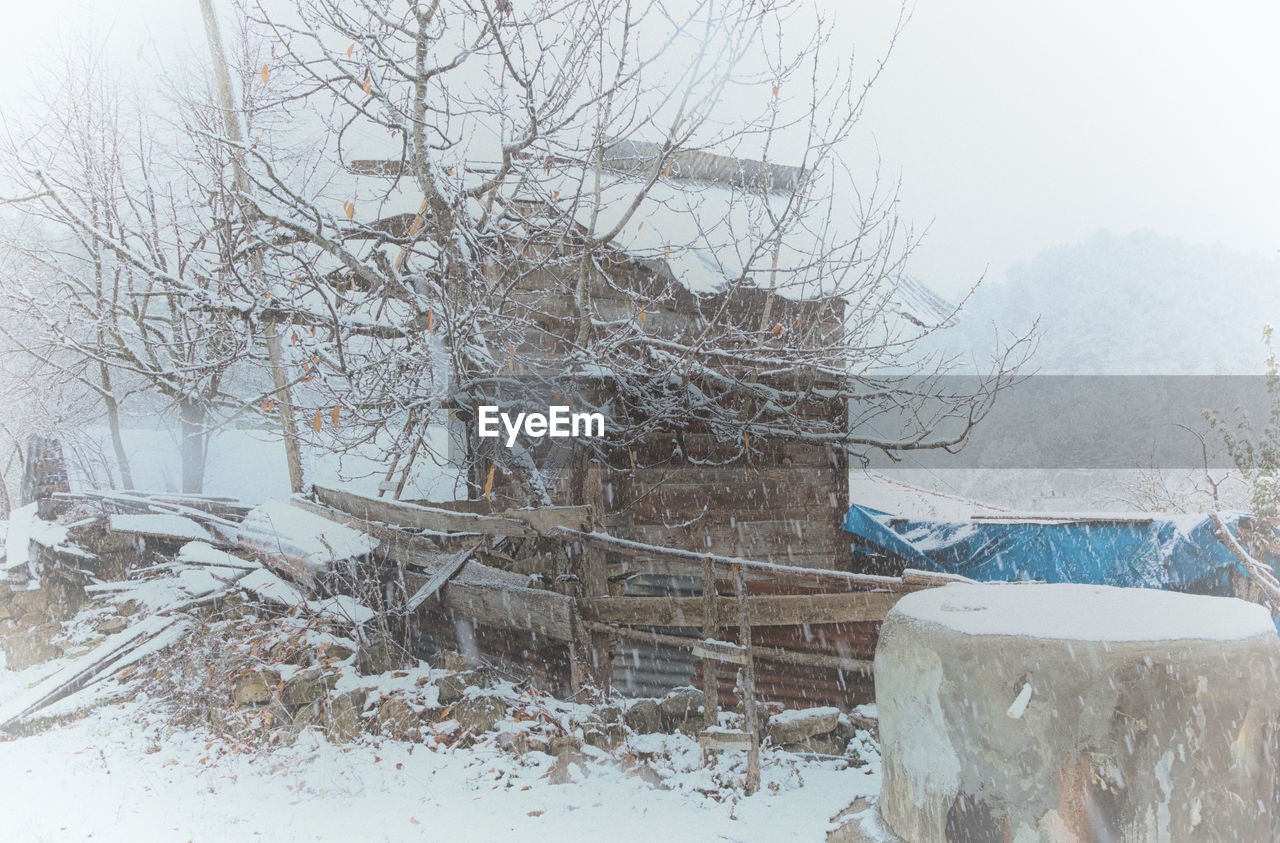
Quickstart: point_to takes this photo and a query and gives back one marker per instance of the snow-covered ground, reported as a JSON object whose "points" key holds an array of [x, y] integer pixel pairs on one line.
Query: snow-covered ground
{"points": [[122, 773]]}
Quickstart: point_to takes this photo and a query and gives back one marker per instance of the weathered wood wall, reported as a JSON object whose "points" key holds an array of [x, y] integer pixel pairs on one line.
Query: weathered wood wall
{"points": [[685, 487]]}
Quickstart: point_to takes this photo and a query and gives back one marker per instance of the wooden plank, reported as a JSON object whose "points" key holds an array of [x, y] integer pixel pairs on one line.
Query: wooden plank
{"points": [[525, 609], [544, 519], [397, 545], [768, 654], [718, 740], [83, 671], [710, 666], [749, 538], [512, 522], [748, 679], [414, 517], [793, 574], [160, 526], [813, 577], [594, 574], [719, 651], [766, 609], [930, 579], [448, 566]]}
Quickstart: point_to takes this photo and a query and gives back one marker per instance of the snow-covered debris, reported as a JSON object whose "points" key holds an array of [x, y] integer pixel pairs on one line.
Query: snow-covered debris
{"points": [[303, 538], [273, 589], [202, 553], [168, 526], [81, 671], [1085, 612], [342, 607], [24, 527], [199, 582]]}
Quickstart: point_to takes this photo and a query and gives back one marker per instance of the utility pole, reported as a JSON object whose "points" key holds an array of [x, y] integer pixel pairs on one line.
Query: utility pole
{"points": [[235, 133]]}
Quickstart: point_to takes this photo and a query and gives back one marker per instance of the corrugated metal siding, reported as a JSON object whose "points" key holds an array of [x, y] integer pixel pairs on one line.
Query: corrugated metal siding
{"points": [[802, 687], [645, 669]]}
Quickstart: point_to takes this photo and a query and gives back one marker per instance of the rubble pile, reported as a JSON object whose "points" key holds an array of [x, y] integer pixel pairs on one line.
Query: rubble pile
{"points": [[213, 635]]}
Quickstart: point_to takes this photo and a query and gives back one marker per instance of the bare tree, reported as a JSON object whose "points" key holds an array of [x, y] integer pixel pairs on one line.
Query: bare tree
{"points": [[127, 224], [482, 237], [1200, 489], [637, 208]]}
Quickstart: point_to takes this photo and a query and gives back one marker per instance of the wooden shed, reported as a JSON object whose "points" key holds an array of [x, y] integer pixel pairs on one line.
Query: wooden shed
{"points": [[685, 484]]}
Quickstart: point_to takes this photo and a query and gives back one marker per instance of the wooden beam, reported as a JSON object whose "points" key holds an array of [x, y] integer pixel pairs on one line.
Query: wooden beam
{"points": [[84, 670], [668, 560], [931, 579], [766, 609], [447, 567], [718, 651], [396, 545], [747, 677], [710, 666], [532, 610], [511, 522], [414, 517], [718, 740], [768, 654], [545, 519]]}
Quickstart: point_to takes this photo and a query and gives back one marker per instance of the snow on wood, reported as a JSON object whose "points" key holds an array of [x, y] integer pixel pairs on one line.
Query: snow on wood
{"points": [[202, 553], [792, 574], [1085, 612], [447, 567], [201, 582], [17, 541], [797, 715], [721, 651], [341, 607], [914, 576], [144, 503], [25, 527], [161, 525], [412, 516], [273, 589], [83, 670], [309, 542]]}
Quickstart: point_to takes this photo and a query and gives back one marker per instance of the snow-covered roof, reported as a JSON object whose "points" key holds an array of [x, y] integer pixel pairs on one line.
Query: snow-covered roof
{"points": [[708, 219]]}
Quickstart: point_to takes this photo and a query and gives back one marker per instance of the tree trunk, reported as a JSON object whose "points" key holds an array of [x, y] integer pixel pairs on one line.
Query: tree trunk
{"points": [[113, 424], [193, 413]]}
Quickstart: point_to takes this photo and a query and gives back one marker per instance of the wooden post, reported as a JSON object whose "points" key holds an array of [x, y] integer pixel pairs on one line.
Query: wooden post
{"points": [[275, 351], [595, 581], [748, 685], [710, 667]]}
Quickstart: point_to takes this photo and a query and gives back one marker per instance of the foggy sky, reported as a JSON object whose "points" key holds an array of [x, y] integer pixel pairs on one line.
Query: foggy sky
{"points": [[1013, 126]]}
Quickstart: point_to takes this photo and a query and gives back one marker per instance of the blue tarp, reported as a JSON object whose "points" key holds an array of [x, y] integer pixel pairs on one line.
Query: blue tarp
{"points": [[1139, 552]]}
